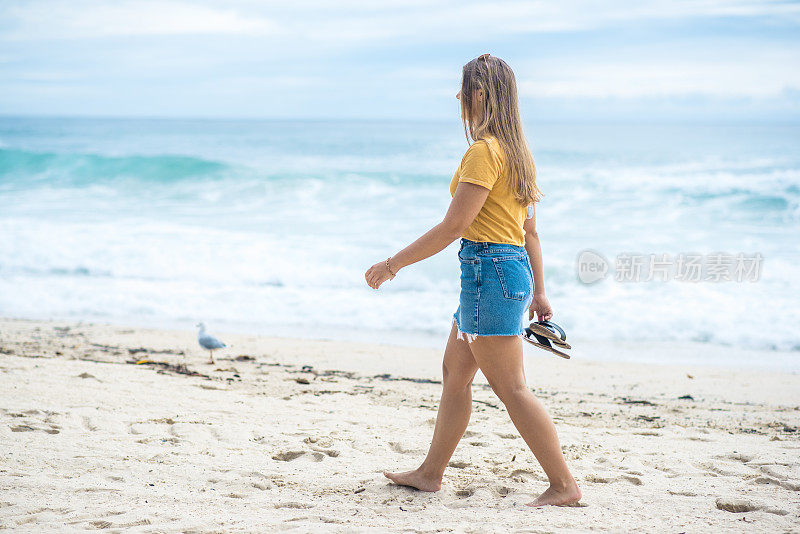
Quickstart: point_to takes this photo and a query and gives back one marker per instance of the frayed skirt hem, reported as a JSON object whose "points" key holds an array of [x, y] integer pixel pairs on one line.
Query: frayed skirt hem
{"points": [[469, 338]]}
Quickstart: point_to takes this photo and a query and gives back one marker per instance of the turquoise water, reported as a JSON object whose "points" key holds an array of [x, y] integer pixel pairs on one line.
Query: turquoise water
{"points": [[268, 226]]}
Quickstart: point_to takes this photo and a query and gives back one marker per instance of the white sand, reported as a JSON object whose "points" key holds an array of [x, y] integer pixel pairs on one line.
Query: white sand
{"points": [[91, 441]]}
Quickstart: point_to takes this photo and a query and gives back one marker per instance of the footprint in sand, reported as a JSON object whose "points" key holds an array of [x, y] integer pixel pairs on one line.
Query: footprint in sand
{"points": [[671, 473], [321, 445], [738, 506], [87, 423], [33, 421], [636, 481], [648, 433], [240, 484], [294, 504], [736, 456], [524, 473], [325, 441], [503, 490], [139, 523], [87, 375], [465, 493], [288, 455], [54, 429], [398, 447], [458, 465], [725, 469], [735, 506], [598, 479], [524, 476], [775, 482], [258, 480], [780, 471]]}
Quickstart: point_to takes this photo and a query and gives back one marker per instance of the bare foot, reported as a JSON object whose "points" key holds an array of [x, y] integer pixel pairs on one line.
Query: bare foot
{"points": [[558, 497], [415, 479]]}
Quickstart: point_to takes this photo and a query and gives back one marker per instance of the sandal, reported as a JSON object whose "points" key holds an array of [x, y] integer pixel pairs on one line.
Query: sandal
{"points": [[551, 331], [542, 341]]}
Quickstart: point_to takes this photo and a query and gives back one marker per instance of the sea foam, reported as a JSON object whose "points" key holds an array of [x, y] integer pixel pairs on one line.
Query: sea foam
{"points": [[270, 227]]}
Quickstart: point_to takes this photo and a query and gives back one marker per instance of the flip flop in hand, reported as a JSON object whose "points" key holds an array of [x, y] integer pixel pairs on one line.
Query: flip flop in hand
{"points": [[551, 331], [545, 334]]}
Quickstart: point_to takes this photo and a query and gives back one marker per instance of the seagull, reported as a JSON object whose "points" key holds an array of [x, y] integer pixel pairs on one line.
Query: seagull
{"points": [[208, 342]]}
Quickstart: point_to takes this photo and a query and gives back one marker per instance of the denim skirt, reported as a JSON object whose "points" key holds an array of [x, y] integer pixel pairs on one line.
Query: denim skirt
{"points": [[496, 289]]}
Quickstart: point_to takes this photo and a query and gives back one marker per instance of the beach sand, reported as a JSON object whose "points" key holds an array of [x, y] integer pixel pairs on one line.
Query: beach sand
{"points": [[102, 428]]}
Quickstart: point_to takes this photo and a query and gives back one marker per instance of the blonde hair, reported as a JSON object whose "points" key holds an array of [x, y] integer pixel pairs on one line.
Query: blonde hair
{"points": [[500, 119]]}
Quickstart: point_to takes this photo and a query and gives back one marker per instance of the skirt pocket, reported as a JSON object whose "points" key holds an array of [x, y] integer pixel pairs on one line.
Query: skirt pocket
{"points": [[470, 273], [515, 277]]}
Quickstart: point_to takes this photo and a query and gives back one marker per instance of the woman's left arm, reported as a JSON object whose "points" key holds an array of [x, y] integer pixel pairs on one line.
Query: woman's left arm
{"points": [[540, 306], [467, 202]]}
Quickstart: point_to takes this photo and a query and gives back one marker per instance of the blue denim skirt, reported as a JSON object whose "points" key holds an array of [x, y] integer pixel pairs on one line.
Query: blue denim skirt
{"points": [[496, 290]]}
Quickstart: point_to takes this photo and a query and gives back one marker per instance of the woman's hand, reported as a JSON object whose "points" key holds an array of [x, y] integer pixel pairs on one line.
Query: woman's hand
{"points": [[541, 307], [378, 274]]}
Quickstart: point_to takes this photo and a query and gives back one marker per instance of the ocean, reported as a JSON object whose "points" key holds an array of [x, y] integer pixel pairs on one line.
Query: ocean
{"points": [[268, 227]]}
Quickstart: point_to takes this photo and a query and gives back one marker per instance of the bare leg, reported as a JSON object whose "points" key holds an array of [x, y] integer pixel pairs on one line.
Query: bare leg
{"points": [[455, 407], [211, 361], [500, 359]]}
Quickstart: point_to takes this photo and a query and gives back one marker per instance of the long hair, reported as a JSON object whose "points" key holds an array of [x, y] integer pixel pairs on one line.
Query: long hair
{"points": [[500, 119]]}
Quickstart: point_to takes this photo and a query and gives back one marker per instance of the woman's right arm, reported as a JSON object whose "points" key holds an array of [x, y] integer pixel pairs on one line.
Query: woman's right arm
{"points": [[540, 305]]}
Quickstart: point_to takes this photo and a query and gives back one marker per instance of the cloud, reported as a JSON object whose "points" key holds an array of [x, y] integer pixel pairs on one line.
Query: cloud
{"points": [[357, 22], [373, 58], [767, 75], [82, 19]]}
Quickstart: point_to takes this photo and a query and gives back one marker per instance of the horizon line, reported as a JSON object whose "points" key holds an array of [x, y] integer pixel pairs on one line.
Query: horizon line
{"points": [[710, 121]]}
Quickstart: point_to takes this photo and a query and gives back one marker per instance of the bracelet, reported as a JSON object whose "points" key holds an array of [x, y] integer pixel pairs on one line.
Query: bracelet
{"points": [[389, 268]]}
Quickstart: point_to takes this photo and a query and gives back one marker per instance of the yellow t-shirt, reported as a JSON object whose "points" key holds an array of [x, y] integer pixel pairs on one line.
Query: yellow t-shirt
{"points": [[501, 217]]}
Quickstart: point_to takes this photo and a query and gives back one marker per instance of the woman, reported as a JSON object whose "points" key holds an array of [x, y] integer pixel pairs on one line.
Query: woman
{"points": [[492, 189]]}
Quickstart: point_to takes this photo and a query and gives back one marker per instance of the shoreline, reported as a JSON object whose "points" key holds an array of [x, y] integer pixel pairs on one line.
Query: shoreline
{"points": [[668, 353], [126, 427], [740, 384]]}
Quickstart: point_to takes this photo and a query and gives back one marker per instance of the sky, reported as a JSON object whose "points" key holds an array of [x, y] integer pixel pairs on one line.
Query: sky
{"points": [[724, 60]]}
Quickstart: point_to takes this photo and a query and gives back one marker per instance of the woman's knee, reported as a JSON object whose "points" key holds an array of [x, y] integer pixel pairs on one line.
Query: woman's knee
{"points": [[458, 375], [508, 392]]}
